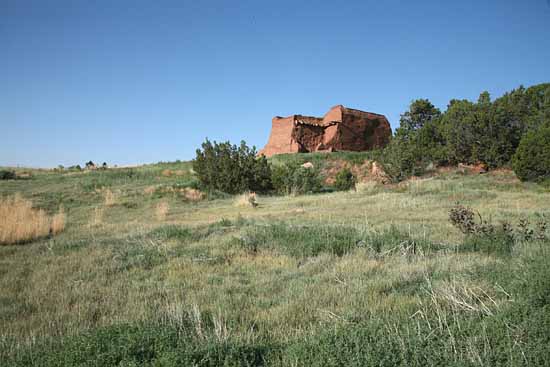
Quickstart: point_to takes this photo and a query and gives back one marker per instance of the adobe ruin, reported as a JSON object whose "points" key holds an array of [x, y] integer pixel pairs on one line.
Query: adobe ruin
{"points": [[341, 128]]}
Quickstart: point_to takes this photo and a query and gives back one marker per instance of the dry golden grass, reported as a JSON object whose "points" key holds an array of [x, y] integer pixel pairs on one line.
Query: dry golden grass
{"points": [[58, 222], [149, 190], [161, 210], [247, 199], [167, 173], [20, 222], [193, 194], [110, 197]]}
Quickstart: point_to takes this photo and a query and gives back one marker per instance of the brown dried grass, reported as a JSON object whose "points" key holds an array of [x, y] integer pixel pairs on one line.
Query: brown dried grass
{"points": [[58, 222], [161, 210], [20, 222], [247, 199], [193, 194], [110, 197], [149, 190]]}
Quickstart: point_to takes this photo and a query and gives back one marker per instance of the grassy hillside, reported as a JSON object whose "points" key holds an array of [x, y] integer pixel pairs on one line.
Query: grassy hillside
{"points": [[146, 274]]}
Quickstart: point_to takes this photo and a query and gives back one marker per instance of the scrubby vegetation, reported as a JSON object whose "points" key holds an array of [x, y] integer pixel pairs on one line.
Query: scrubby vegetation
{"points": [[231, 169], [345, 180], [532, 159], [296, 179], [7, 175], [389, 275], [485, 132]]}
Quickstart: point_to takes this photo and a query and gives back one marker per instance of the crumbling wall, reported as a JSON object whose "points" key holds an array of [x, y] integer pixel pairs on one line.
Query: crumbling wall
{"points": [[340, 129], [309, 137]]}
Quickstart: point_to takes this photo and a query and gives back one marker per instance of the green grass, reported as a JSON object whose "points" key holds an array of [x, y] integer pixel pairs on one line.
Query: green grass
{"points": [[377, 277], [323, 159]]}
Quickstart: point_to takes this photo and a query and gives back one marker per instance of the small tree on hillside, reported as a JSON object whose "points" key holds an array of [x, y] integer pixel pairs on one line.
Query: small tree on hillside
{"points": [[345, 180], [421, 112], [231, 169]]}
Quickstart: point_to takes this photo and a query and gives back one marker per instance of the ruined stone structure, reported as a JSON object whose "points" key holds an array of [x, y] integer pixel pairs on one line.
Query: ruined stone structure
{"points": [[340, 129]]}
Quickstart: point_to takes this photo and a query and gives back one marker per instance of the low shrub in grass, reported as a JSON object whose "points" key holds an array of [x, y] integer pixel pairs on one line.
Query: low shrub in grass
{"points": [[345, 180], [484, 236], [7, 175], [296, 180]]}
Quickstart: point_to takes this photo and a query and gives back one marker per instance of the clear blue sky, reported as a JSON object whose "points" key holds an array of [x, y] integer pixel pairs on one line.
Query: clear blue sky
{"points": [[143, 81]]}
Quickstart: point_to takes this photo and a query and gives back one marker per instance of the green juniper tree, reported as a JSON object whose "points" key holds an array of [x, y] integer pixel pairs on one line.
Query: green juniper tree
{"points": [[231, 169]]}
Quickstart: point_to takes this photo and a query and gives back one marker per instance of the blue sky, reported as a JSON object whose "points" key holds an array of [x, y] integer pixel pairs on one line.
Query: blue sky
{"points": [[142, 81]]}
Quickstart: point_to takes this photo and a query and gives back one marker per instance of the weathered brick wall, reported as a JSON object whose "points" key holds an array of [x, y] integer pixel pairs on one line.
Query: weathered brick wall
{"points": [[340, 129]]}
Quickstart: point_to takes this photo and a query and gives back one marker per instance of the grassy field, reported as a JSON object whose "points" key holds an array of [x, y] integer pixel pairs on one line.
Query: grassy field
{"points": [[146, 274]]}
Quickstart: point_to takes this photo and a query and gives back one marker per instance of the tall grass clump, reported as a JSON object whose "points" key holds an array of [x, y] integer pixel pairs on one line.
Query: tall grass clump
{"points": [[161, 210], [58, 222], [110, 197], [247, 199], [20, 222]]}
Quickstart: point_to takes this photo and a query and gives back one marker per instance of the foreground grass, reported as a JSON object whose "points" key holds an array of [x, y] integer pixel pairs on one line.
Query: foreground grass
{"points": [[359, 278]]}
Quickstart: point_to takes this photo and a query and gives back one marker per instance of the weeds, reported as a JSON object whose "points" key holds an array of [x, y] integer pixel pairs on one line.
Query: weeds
{"points": [[20, 222], [486, 237]]}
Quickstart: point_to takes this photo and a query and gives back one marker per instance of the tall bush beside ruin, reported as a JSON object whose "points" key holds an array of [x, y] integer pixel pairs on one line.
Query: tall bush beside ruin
{"points": [[231, 169]]}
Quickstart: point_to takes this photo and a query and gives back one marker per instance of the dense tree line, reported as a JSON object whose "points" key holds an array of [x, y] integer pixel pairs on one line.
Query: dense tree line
{"points": [[482, 132]]}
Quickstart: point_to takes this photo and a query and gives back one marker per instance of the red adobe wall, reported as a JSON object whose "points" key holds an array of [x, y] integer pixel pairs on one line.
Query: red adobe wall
{"points": [[280, 139], [340, 129]]}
